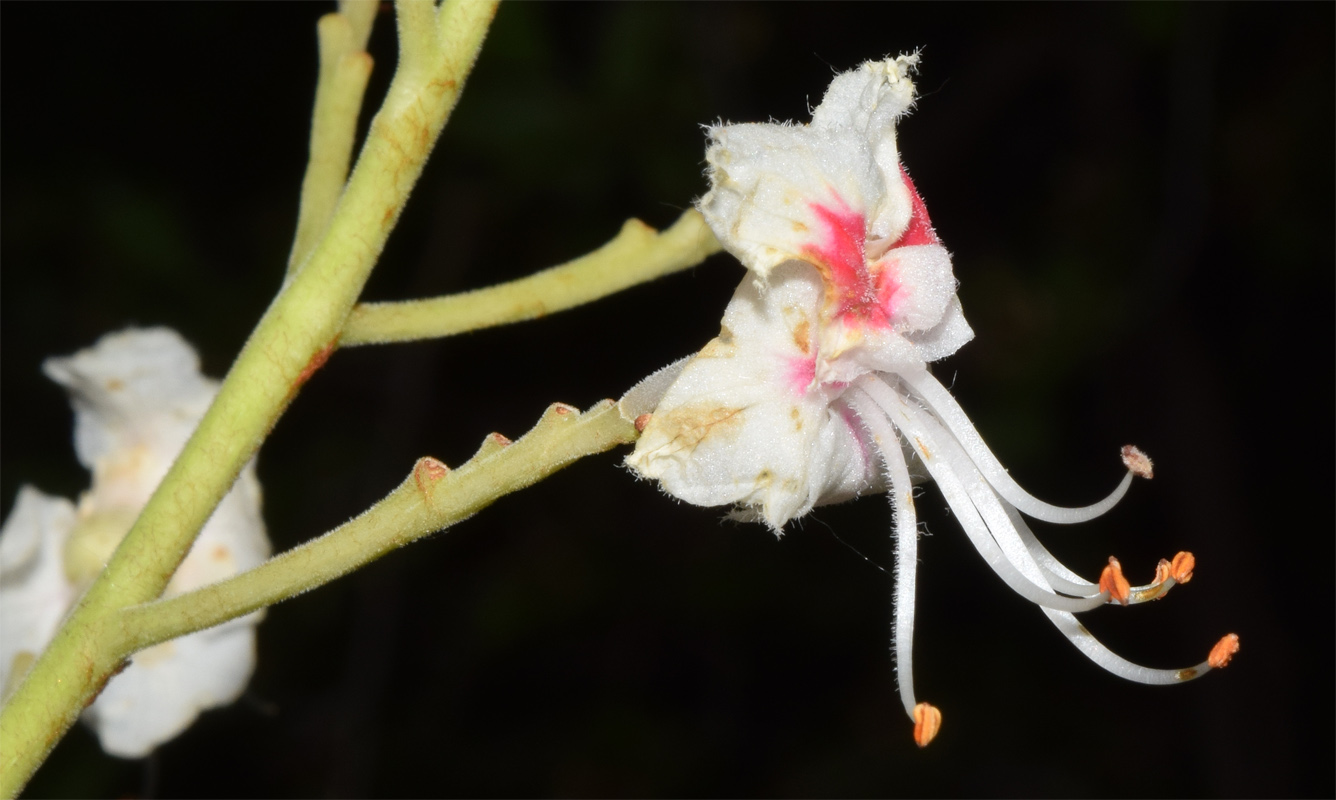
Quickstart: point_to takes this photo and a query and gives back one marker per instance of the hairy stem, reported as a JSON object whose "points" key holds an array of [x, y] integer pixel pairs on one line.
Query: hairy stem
{"points": [[295, 336], [344, 68], [636, 255], [432, 497]]}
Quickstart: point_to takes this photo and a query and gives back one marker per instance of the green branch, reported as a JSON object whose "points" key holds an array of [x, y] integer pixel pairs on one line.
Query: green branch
{"points": [[636, 255], [432, 497], [291, 341], [344, 68]]}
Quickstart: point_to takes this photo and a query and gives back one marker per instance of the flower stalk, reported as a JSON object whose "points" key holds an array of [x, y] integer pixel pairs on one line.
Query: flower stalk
{"points": [[635, 255], [431, 498], [345, 67]]}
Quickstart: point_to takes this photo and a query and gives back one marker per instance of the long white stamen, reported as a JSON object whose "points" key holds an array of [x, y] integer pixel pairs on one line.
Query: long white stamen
{"points": [[906, 540], [1058, 575], [1068, 582], [1019, 543], [977, 508], [1014, 552], [953, 417], [1065, 580], [1016, 568], [1086, 642]]}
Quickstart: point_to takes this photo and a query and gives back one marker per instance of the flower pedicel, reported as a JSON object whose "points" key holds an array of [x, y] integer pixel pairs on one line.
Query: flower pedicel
{"points": [[817, 389]]}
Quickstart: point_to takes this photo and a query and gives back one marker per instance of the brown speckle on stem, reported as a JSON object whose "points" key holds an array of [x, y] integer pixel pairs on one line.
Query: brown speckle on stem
{"points": [[92, 698], [427, 473], [317, 361]]}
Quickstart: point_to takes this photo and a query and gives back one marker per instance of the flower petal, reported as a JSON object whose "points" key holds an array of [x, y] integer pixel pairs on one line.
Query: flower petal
{"points": [[918, 284], [869, 100], [34, 594], [744, 423], [168, 685], [770, 184], [137, 396], [944, 338]]}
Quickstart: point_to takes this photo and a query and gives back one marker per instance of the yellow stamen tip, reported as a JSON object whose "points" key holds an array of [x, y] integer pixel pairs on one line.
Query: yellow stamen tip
{"points": [[927, 721], [1111, 580], [1223, 651], [1182, 567]]}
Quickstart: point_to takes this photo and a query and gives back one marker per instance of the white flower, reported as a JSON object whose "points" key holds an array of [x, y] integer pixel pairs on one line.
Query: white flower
{"points": [[819, 375], [137, 397]]}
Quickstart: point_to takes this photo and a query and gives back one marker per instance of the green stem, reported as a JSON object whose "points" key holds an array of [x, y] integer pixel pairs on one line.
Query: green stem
{"points": [[360, 15], [637, 254], [344, 68], [432, 497], [292, 340]]}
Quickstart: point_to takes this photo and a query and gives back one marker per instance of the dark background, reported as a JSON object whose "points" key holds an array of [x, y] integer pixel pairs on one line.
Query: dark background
{"points": [[1139, 199]]}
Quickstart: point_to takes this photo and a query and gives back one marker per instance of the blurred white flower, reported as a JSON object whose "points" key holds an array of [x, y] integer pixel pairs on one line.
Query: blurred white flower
{"points": [[137, 396], [817, 388]]}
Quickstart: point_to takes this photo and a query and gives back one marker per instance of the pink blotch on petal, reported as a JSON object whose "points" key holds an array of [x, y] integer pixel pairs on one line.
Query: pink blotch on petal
{"points": [[800, 374], [857, 295], [842, 256], [859, 432], [889, 290], [920, 227]]}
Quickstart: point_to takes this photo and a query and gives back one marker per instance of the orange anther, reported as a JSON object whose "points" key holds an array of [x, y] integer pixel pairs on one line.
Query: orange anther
{"points": [[1111, 580], [1223, 651], [1138, 463], [927, 721], [1181, 569], [642, 422]]}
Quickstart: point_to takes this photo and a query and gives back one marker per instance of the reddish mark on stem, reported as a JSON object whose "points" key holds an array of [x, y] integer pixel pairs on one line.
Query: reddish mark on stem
{"points": [[97, 692], [317, 361], [427, 473]]}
